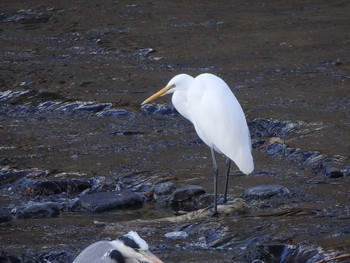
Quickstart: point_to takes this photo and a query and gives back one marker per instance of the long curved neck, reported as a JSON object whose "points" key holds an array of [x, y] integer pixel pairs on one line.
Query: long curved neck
{"points": [[180, 103]]}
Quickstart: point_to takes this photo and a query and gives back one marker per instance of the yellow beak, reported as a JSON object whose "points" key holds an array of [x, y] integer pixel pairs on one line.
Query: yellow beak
{"points": [[157, 95]]}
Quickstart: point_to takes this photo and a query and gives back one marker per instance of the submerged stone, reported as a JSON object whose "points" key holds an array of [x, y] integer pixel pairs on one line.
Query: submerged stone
{"points": [[49, 187], [5, 215], [266, 191], [162, 109], [57, 256], [101, 201], [37, 210], [116, 113], [269, 128], [164, 188], [9, 258], [186, 192]]}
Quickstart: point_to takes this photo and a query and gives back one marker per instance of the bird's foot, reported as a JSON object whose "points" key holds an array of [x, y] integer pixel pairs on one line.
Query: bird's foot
{"points": [[215, 214]]}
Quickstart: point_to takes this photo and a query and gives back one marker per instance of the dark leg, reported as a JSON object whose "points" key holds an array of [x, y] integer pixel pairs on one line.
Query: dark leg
{"points": [[228, 165], [215, 168]]}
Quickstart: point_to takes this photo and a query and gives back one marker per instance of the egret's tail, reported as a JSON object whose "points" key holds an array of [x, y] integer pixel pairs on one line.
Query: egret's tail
{"points": [[244, 161]]}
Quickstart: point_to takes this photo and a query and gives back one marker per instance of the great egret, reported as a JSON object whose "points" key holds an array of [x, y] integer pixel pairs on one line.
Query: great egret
{"points": [[217, 117], [129, 248]]}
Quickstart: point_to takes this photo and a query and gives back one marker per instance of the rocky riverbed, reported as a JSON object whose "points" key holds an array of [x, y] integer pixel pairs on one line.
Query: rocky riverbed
{"points": [[81, 160]]}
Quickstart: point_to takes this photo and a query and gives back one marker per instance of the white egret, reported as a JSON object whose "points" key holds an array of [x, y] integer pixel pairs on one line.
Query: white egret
{"points": [[217, 117], [129, 248]]}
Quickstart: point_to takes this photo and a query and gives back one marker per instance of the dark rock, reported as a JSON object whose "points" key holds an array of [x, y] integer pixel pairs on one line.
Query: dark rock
{"points": [[269, 128], [266, 191], [56, 257], [138, 181], [8, 258], [116, 113], [102, 184], [68, 107], [290, 253], [8, 95], [11, 176], [162, 109], [326, 169], [275, 149], [49, 106], [49, 187], [27, 16], [186, 192], [8, 176], [164, 188], [102, 201], [332, 172], [128, 133], [5, 216], [37, 210], [94, 107]]}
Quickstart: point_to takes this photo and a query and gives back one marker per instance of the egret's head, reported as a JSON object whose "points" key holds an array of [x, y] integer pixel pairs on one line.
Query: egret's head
{"points": [[131, 247], [180, 81]]}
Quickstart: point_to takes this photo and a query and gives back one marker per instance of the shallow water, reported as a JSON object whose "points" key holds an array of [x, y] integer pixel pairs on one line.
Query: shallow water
{"points": [[283, 61]]}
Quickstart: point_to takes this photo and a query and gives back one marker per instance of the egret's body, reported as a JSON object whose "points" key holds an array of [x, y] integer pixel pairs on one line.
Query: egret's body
{"points": [[129, 248], [217, 116]]}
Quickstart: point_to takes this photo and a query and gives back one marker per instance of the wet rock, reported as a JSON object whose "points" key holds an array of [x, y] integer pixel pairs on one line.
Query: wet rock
{"points": [[138, 181], [8, 95], [116, 113], [11, 176], [102, 201], [8, 258], [128, 133], [210, 234], [5, 215], [27, 16], [64, 107], [102, 184], [56, 257], [162, 109], [328, 170], [37, 210], [8, 176], [266, 191], [290, 253], [260, 128], [176, 235], [94, 107], [165, 188], [31, 187], [186, 192], [49, 105], [332, 172], [275, 149]]}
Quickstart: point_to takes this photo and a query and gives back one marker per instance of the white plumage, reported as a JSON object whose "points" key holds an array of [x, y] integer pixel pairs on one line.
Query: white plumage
{"points": [[216, 114], [129, 248]]}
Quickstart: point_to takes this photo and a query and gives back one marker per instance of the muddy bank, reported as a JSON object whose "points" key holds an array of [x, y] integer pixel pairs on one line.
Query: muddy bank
{"points": [[72, 77]]}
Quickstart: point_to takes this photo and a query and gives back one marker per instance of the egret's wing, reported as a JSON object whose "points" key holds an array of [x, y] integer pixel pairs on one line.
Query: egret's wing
{"points": [[219, 120]]}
